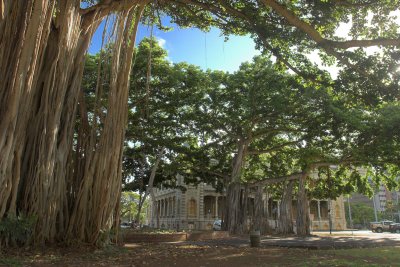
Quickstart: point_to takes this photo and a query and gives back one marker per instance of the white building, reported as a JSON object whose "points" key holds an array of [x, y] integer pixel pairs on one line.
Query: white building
{"points": [[199, 206]]}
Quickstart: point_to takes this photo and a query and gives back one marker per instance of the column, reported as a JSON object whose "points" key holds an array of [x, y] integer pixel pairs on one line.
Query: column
{"points": [[157, 213], [170, 207], [166, 207], [216, 207], [200, 208], [162, 207], [200, 203], [279, 209], [174, 207], [319, 210], [178, 208], [159, 208]]}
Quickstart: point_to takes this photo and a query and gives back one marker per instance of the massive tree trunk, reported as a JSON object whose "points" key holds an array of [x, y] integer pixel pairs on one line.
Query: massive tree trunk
{"points": [[39, 93], [101, 178], [42, 50], [24, 33], [235, 218], [150, 187], [303, 213], [260, 217], [285, 222]]}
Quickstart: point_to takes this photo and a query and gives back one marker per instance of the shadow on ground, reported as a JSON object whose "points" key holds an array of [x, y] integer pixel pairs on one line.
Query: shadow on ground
{"points": [[312, 242]]}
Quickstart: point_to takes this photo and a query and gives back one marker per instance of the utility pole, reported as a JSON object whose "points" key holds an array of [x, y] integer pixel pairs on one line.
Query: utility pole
{"points": [[398, 208], [375, 213], [330, 216]]}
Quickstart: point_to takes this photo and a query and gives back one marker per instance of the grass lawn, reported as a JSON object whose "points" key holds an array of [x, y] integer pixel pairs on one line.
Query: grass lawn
{"points": [[191, 255]]}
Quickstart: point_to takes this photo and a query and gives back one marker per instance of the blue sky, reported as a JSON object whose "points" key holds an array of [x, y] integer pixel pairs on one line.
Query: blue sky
{"points": [[207, 50]]}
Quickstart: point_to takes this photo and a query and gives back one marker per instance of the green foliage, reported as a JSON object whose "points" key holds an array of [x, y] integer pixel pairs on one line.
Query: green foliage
{"points": [[11, 262], [159, 117], [364, 77], [198, 118], [104, 238], [129, 206], [334, 182], [361, 214], [17, 230], [392, 210]]}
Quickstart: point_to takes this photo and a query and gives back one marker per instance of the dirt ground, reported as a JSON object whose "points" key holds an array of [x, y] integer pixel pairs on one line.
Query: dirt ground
{"points": [[188, 255]]}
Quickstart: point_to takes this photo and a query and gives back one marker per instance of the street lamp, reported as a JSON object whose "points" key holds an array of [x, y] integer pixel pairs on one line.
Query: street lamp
{"points": [[330, 216]]}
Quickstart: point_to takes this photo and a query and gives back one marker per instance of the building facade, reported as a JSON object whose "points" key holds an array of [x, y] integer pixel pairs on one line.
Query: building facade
{"points": [[199, 206], [380, 202]]}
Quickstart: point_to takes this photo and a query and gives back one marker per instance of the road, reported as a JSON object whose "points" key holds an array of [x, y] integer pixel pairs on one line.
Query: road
{"points": [[318, 240], [356, 233]]}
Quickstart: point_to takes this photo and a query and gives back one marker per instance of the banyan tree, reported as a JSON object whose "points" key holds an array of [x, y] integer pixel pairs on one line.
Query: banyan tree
{"points": [[72, 193], [61, 165]]}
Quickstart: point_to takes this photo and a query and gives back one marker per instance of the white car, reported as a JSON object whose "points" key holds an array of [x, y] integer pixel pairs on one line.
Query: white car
{"points": [[217, 225], [125, 225]]}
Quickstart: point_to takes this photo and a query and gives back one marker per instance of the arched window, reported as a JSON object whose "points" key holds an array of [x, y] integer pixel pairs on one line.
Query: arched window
{"points": [[337, 207], [192, 208]]}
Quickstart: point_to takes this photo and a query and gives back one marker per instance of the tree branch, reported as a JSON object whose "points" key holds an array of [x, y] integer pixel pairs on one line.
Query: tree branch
{"points": [[205, 6], [363, 43], [212, 173], [298, 175], [268, 181], [265, 151], [348, 4], [316, 36], [108, 5], [2, 9], [104, 8], [263, 132]]}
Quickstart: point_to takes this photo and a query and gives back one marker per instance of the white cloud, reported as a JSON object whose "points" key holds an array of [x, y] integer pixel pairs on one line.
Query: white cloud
{"points": [[161, 42], [343, 30], [314, 57]]}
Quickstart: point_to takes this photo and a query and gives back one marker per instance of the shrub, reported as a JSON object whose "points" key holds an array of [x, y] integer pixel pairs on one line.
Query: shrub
{"points": [[16, 231]]}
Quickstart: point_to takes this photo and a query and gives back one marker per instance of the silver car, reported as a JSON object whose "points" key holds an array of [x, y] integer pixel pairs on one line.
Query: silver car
{"points": [[217, 225]]}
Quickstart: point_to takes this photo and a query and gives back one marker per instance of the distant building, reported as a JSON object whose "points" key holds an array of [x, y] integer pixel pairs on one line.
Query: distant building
{"points": [[379, 201], [360, 198], [199, 206], [383, 196]]}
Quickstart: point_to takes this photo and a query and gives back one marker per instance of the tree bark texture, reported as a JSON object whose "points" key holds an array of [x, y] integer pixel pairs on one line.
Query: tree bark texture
{"points": [[260, 221], [235, 218], [150, 188], [285, 222], [42, 50], [303, 213], [101, 176]]}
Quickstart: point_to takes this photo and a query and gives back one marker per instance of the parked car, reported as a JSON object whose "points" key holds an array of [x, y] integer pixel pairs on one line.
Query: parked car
{"points": [[359, 226], [394, 228], [125, 225], [379, 227], [217, 225]]}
